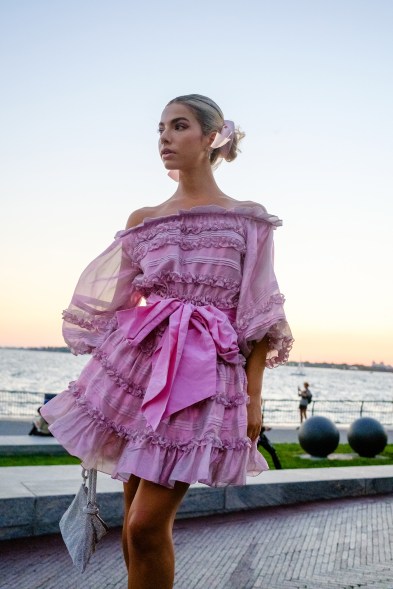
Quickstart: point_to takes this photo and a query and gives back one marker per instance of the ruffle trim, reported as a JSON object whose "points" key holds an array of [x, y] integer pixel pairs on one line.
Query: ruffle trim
{"points": [[248, 209], [204, 224], [139, 391], [275, 327], [280, 346], [124, 384], [97, 323], [151, 436], [80, 348], [246, 315], [231, 402], [201, 300], [216, 241], [188, 278]]}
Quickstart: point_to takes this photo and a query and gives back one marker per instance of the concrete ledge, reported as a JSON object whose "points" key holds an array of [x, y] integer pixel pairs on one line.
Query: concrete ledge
{"points": [[22, 445], [33, 499]]}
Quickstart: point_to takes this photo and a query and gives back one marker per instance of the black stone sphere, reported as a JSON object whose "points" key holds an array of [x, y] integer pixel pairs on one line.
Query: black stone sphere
{"points": [[318, 436], [367, 437]]}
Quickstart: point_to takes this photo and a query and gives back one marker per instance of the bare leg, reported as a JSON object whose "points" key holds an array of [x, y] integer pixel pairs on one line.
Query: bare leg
{"points": [[130, 490], [149, 535]]}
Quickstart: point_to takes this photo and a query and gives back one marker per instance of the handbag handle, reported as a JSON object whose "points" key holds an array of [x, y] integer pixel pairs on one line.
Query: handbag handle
{"points": [[91, 506]]}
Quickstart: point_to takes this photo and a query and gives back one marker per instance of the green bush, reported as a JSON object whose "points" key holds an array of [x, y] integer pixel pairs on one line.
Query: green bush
{"points": [[290, 457]]}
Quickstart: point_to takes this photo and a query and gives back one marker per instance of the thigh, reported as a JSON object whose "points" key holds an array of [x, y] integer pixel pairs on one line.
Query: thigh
{"points": [[155, 503], [130, 488]]}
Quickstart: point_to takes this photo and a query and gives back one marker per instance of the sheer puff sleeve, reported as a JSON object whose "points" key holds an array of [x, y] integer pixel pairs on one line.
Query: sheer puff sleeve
{"points": [[105, 286], [260, 310]]}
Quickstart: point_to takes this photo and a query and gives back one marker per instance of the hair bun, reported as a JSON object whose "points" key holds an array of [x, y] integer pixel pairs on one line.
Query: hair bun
{"points": [[234, 148]]}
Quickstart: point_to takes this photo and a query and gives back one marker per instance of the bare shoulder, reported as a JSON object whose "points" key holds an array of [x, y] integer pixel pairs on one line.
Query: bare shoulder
{"points": [[137, 217], [245, 203]]}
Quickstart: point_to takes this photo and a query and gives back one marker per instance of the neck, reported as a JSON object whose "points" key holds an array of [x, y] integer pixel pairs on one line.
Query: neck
{"points": [[197, 185]]}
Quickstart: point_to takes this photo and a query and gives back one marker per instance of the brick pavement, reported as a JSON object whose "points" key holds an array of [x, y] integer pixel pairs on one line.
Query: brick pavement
{"points": [[326, 545]]}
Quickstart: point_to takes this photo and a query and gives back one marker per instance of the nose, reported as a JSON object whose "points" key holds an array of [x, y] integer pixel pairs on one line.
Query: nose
{"points": [[164, 136]]}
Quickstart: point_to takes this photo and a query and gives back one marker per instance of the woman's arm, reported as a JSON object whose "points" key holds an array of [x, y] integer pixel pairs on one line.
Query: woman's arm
{"points": [[255, 367]]}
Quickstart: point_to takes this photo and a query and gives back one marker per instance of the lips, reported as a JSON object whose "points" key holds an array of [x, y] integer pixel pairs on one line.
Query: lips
{"points": [[166, 152]]}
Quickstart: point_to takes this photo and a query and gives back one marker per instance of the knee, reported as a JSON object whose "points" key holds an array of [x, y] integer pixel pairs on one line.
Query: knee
{"points": [[145, 535]]}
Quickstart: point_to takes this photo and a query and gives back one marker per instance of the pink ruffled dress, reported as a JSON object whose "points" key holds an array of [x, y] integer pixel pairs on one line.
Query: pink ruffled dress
{"points": [[169, 312]]}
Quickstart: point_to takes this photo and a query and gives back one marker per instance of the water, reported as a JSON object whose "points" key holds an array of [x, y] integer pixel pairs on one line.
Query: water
{"points": [[26, 375], [29, 374], [44, 372], [329, 384]]}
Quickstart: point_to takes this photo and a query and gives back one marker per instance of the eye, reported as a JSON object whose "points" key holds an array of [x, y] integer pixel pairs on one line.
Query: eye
{"points": [[160, 130], [181, 126]]}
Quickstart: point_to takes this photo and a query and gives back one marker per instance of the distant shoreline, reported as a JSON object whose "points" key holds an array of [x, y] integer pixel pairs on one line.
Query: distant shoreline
{"points": [[37, 349], [357, 367], [343, 366]]}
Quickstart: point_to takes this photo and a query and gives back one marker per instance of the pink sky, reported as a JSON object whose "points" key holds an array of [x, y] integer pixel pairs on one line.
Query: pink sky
{"points": [[309, 82]]}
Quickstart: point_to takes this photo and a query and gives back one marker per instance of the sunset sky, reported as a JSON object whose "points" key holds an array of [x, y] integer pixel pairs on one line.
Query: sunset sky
{"points": [[310, 82]]}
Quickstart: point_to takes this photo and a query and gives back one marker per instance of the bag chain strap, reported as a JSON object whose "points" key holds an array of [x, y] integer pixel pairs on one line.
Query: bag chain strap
{"points": [[91, 474]]}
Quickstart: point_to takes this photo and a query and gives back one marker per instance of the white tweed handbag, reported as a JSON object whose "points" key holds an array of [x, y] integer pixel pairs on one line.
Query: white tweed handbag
{"points": [[81, 526]]}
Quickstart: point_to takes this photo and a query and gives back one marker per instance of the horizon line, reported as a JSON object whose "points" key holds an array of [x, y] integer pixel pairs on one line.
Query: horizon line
{"points": [[380, 366]]}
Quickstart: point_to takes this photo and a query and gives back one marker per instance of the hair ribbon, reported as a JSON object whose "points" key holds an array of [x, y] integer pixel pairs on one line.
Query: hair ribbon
{"points": [[224, 138]]}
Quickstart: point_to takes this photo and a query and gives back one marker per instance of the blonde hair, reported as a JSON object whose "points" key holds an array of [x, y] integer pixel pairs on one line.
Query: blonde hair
{"points": [[211, 118]]}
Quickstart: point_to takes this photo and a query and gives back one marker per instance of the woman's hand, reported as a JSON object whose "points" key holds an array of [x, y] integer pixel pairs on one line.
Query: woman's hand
{"points": [[254, 419]]}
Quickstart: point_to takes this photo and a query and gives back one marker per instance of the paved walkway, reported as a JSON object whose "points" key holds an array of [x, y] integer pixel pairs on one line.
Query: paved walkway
{"points": [[341, 544], [325, 545]]}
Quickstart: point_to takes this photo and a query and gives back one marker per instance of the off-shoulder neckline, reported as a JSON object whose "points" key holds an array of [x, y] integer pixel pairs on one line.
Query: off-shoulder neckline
{"points": [[249, 209]]}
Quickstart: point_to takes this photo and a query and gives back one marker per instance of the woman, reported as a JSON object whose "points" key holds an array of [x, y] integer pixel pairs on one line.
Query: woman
{"points": [[172, 394], [305, 398]]}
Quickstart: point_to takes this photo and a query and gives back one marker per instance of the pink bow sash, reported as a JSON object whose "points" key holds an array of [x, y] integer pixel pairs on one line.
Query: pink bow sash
{"points": [[184, 365]]}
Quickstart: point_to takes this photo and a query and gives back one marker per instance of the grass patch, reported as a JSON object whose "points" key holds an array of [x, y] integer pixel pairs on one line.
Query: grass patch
{"points": [[289, 455], [38, 460]]}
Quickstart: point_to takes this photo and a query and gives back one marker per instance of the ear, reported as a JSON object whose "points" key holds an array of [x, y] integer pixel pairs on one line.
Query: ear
{"points": [[211, 137]]}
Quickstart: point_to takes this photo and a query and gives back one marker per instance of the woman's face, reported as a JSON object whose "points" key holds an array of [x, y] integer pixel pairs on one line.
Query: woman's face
{"points": [[182, 144]]}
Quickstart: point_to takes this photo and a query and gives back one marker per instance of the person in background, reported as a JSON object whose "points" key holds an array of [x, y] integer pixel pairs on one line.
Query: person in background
{"points": [[40, 426], [266, 444], [305, 399]]}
